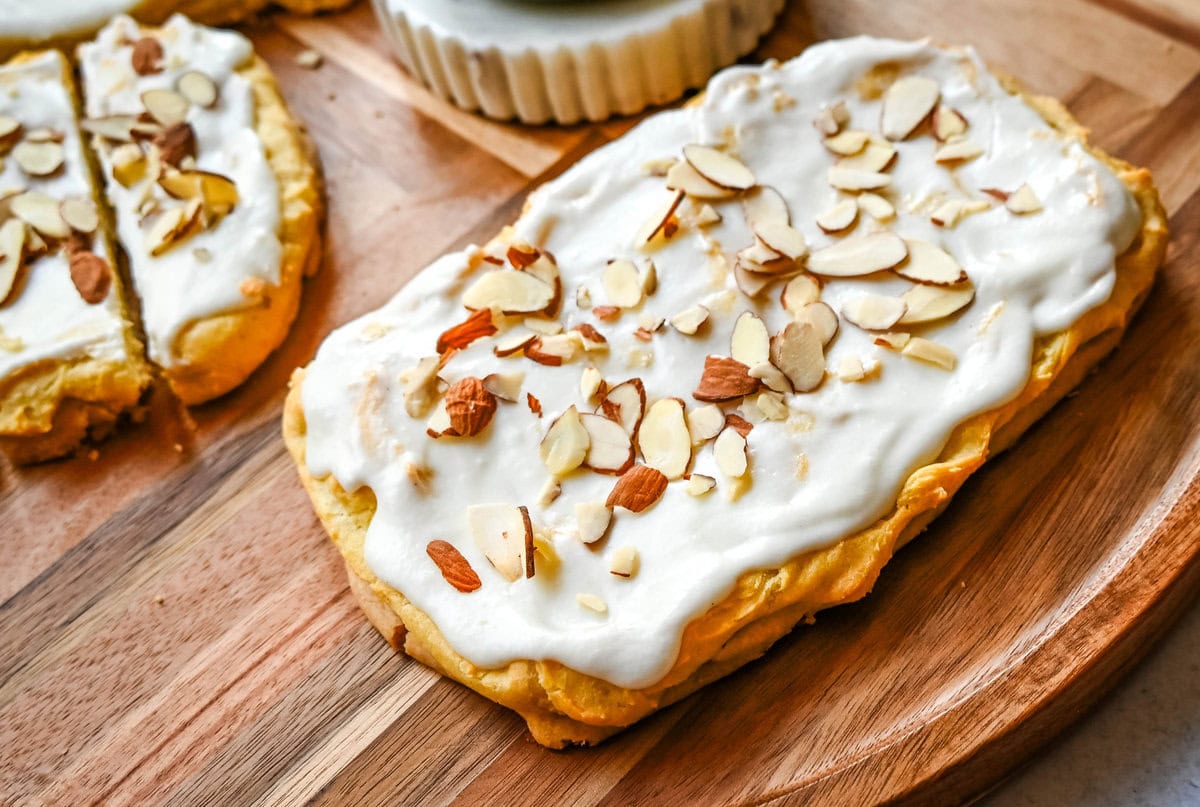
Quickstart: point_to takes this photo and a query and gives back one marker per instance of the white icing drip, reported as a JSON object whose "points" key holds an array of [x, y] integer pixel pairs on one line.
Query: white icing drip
{"points": [[47, 19], [46, 316], [1045, 269], [176, 288]]}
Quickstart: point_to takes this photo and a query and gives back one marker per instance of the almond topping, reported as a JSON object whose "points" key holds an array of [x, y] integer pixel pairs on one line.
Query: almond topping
{"points": [[929, 352], [167, 107], [12, 254], [464, 333], [197, 88], [751, 283], [610, 450], [948, 123], [80, 214], [782, 238], [565, 445], [128, 164], [638, 489], [39, 159], [438, 425], [513, 341], [690, 320], [847, 143], [821, 317], [664, 439], [928, 263], [877, 156], [592, 603], [798, 352], [606, 313], [454, 567], [664, 222], [771, 405], [699, 484], [420, 386], [771, 376], [852, 179], [593, 520], [41, 212], [590, 383], [91, 275], [739, 424], [505, 386], [892, 341], [879, 208], [1023, 200], [906, 104], [146, 56], [172, 227], [706, 216], [622, 284], [470, 406], [930, 303], [763, 205], [839, 217], [504, 534], [852, 368], [874, 312], [551, 350], [750, 343], [831, 119], [860, 255], [724, 379], [624, 562], [535, 406], [704, 423], [626, 404], [799, 292], [511, 292], [718, 167], [687, 180], [176, 144], [730, 453], [551, 490], [957, 150]]}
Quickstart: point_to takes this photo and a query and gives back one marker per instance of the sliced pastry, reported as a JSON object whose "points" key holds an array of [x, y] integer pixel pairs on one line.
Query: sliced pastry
{"points": [[716, 374], [215, 196], [70, 363]]}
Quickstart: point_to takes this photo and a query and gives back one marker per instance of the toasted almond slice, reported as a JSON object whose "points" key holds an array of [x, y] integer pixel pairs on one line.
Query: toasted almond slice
{"points": [[12, 254], [831, 119], [948, 123], [505, 386], [41, 212], [764, 204], [758, 255], [117, 128], [705, 423], [852, 179], [592, 602], [625, 404], [128, 164], [662, 224], [879, 208], [509, 291], [822, 317], [730, 453], [690, 320], [610, 450], [771, 376], [438, 425], [771, 405], [877, 156], [839, 217], [851, 368], [624, 562], [513, 341], [930, 303], [718, 167], [197, 88], [590, 339], [219, 193], [460, 336], [781, 238], [798, 352], [542, 266], [892, 341], [724, 379], [543, 325], [455, 569], [906, 103], [799, 292], [751, 283], [1023, 200], [592, 520], [957, 150], [504, 534], [649, 277], [928, 263], [699, 485], [420, 386], [622, 283], [566, 443], [167, 107], [39, 159], [847, 143], [750, 343], [172, 226], [638, 489], [664, 439], [874, 312], [859, 255], [80, 214], [929, 352], [687, 180], [590, 383], [952, 211], [552, 351]]}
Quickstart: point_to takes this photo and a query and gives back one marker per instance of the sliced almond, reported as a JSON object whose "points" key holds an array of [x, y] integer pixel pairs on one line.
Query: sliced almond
{"points": [[705, 423], [799, 292], [771, 376], [551, 490], [781, 238], [625, 404], [724, 379], [764, 204], [664, 439], [589, 338], [39, 159], [949, 213], [759, 256], [948, 123], [12, 254], [128, 164], [876, 206], [583, 298], [593, 520], [929, 352], [852, 179], [771, 405], [460, 336], [690, 320], [877, 156], [839, 217], [504, 534], [638, 489], [929, 263], [622, 283], [687, 180], [609, 449], [699, 484], [706, 216], [847, 143], [505, 386], [455, 569], [906, 104], [874, 312], [590, 383], [957, 150], [438, 424], [552, 351], [751, 283], [822, 317], [41, 212], [543, 325], [931, 303], [80, 214], [859, 255], [167, 107], [624, 562], [718, 167], [1023, 200], [509, 291], [851, 369], [566, 443], [892, 341], [831, 119], [197, 88], [798, 352], [420, 386], [729, 451], [171, 227], [751, 342], [513, 341], [592, 602], [662, 224], [117, 128]]}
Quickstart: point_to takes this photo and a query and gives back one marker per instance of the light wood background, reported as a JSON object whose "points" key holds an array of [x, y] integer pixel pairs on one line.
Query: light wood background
{"points": [[175, 627]]}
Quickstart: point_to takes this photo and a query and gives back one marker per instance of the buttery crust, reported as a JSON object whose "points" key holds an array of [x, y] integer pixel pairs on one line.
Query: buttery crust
{"points": [[49, 408], [564, 707]]}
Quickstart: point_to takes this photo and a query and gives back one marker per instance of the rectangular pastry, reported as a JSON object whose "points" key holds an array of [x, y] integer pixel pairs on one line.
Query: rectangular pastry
{"points": [[716, 374]]}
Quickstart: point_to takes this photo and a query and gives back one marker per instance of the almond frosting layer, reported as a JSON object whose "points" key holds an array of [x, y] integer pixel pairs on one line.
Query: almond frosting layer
{"points": [[837, 461]]}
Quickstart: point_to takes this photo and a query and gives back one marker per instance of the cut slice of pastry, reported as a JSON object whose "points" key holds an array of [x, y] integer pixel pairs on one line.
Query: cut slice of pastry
{"points": [[70, 364], [216, 200], [716, 374]]}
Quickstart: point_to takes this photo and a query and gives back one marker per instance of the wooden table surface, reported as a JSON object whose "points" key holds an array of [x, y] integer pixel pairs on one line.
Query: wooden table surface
{"points": [[176, 628]]}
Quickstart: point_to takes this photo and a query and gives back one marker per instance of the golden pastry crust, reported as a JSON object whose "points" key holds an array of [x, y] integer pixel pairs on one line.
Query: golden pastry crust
{"points": [[218, 353], [564, 707], [47, 409]]}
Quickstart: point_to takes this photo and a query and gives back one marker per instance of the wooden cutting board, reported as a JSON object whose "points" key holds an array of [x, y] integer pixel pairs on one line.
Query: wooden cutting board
{"points": [[176, 628]]}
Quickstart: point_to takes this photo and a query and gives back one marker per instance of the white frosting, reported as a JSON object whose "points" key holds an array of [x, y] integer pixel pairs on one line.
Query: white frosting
{"points": [[46, 316], [47, 19], [1034, 275], [177, 288]]}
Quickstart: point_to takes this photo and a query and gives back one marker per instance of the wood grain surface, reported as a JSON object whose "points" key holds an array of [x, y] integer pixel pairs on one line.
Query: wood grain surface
{"points": [[176, 629]]}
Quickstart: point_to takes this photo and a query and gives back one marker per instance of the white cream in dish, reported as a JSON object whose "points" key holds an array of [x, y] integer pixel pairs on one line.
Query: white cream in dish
{"points": [[45, 318], [207, 274], [1033, 275]]}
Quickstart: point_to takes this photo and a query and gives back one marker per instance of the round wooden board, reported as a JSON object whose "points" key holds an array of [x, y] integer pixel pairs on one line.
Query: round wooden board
{"points": [[176, 628]]}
